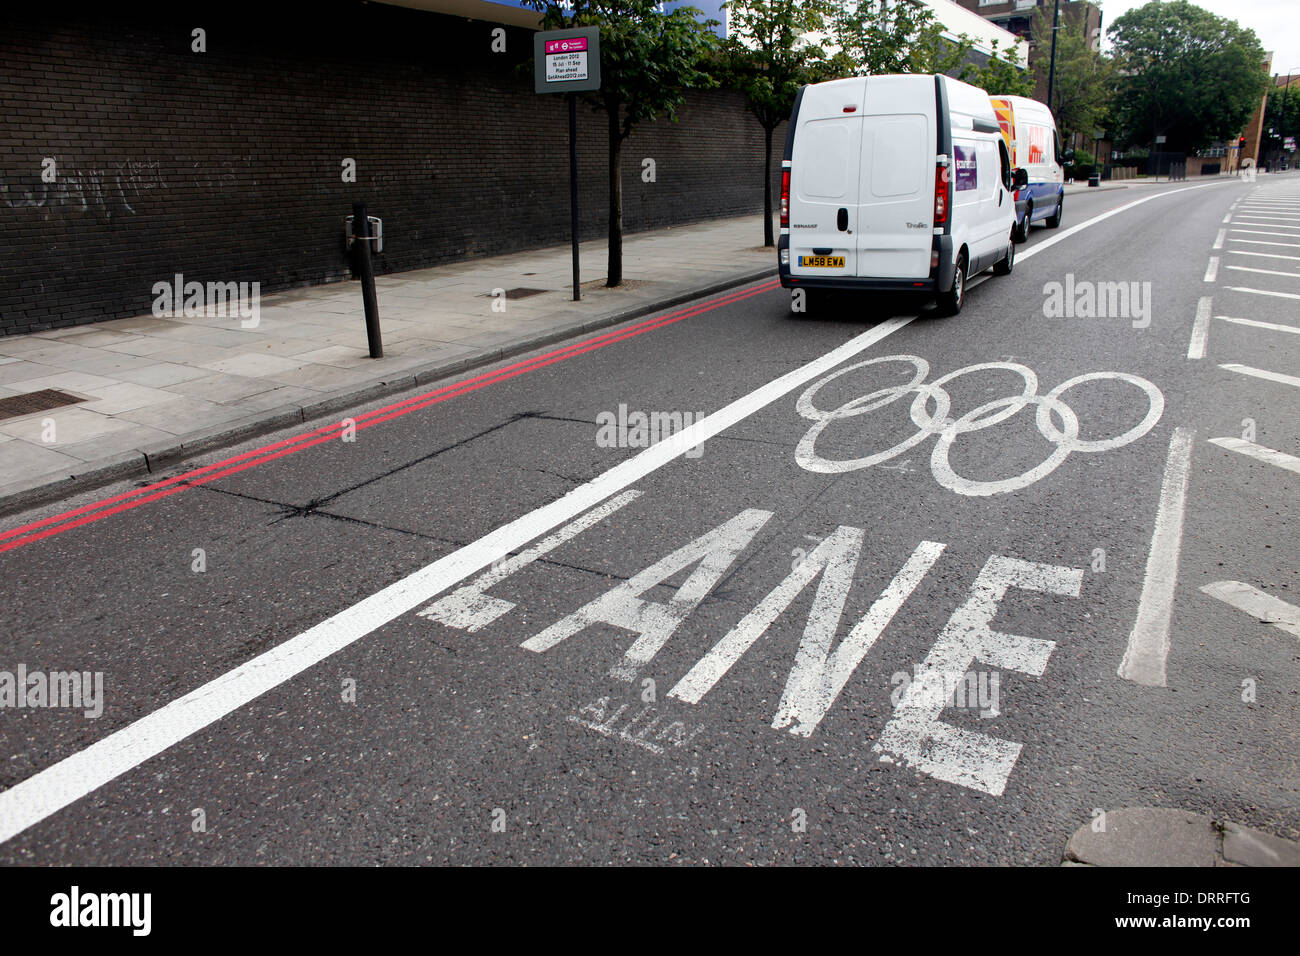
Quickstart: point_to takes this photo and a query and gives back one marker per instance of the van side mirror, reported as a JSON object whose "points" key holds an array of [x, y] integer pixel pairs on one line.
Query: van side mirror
{"points": [[1067, 156], [1021, 177]]}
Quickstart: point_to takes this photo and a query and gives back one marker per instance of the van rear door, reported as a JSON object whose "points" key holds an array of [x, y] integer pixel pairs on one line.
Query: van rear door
{"points": [[824, 180], [895, 217]]}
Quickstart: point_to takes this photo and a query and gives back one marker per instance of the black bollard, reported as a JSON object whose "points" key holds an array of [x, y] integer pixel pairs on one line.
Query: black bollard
{"points": [[365, 270]]}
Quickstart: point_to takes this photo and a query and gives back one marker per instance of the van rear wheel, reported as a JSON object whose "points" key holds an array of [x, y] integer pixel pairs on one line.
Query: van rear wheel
{"points": [[950, 302]]}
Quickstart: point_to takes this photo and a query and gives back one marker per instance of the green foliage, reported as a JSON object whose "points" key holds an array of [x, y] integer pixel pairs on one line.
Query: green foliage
{"points": [[885, 36], [1282, 115], [648, 59], [1185, 73], [1002, 75], [1085, 79], [768, 54]]}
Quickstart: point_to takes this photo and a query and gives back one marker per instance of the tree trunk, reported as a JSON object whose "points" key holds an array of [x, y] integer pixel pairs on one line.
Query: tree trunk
{"points": [[767, 188], [615, 271]]}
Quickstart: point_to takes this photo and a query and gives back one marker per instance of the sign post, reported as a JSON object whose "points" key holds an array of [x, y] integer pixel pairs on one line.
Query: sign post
{"points": [[568, 61]]}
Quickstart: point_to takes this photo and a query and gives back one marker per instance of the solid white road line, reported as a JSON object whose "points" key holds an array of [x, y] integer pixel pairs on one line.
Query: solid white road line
{"points": [[1262, 232], [1267, 272], [1212, 269], [1067, 233], [1200, 328], [1267, 455], [32, 800], [1148, 643], [72, 778], [1264, 255], [1260, 325], [1262, 373], [1261, 606], [1276, 295], [1265, 242]]}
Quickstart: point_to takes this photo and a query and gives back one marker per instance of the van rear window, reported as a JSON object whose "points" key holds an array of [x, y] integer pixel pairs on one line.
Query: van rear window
{"points": [[898, 154], [821, 157]]}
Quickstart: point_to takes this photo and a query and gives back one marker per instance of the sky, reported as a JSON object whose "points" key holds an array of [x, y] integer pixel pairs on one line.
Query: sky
{"points": [[1275, 22]]}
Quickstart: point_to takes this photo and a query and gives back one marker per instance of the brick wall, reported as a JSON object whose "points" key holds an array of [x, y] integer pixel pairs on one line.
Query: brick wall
{"points": [[226, 165]]}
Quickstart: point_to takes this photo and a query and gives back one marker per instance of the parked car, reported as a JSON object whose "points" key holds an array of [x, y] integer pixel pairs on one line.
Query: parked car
{"points": [[894, 183], [1029, 130]]}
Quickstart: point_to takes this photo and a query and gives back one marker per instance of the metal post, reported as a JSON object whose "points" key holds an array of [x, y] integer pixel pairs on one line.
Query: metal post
{"points": [[366, 272], [573, 190], [1051, 70]]}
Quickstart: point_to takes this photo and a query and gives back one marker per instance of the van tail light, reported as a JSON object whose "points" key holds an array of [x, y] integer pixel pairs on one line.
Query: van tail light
{"points": [[785, 199], [941, 195]]}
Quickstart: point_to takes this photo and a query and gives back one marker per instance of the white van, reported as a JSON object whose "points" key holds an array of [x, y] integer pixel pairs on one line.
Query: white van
{"points": [[894, 182], [1030, 133]]}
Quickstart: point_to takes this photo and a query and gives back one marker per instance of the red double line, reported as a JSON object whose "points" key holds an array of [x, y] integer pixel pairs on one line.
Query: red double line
{"points": [[97, 511]]}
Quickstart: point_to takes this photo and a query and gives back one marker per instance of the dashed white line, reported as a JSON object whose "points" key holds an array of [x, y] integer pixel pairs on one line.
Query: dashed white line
{"points": [[1263, 255], [1274, 326], [1265, 242], [1276, 295], [1259, 605], [1267, 272], [1200, 328], [1262, 373], [1148, 643], [1269, 456], [1262, 232], [1212, 269], [1218, 240]]}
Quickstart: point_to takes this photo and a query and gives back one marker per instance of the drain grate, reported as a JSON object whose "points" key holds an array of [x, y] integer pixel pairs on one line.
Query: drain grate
{"points": [[41, 401]]}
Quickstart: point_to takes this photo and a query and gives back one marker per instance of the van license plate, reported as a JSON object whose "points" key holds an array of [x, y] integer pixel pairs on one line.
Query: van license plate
{"points": [[822, 262]]}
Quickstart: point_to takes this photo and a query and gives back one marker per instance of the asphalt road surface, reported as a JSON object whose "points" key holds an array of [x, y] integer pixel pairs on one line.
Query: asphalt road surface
{"points": [[907, 590]]}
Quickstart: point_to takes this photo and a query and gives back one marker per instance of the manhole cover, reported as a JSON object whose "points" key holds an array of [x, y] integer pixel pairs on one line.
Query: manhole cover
{"points": [[41, 401]]}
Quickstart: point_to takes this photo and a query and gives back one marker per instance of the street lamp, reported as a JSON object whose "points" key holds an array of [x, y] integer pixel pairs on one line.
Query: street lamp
{"points": [[1051, 69]]}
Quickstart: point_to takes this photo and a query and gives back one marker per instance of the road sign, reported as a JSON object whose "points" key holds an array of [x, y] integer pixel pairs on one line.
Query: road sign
{"points": [[566, 61]]}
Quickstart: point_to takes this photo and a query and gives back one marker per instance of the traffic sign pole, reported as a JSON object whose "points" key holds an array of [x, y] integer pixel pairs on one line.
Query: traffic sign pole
{"points": [[573, 190], [568, 61]]}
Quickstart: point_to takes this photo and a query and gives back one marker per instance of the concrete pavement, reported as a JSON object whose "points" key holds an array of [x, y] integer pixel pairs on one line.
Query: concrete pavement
{"points": [[1160, 837], [155, 390]]}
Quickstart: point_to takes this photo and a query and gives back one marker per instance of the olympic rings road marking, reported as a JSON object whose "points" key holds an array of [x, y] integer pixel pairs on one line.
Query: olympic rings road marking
{"points": [[947, 430]]}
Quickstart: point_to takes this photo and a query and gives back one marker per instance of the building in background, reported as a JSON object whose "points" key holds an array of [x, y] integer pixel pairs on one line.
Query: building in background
{"points": [[1017, 17]]}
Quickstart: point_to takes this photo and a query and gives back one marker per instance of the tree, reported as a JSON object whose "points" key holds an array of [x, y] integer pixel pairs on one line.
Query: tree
{"points": [[1085, 78], [893, 36], [769, 55], [1186, 74], [1282, 115], [648, 61], [1000, 75]]}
